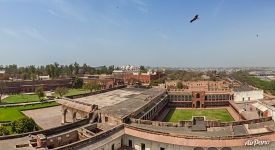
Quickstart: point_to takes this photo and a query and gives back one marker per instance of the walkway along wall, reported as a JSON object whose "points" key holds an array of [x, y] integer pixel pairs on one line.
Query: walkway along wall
{"points": [[187, 123]]}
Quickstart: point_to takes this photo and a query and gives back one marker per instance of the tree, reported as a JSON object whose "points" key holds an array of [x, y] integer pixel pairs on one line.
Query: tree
{"points": [[23, 125], [2, 89], [77, 82], [61, 91], [179, 85], [133, 81], [4, 131], [76, 68], [272, 88], [97, 87], [90, 85], [40, 92], [142, 69]]}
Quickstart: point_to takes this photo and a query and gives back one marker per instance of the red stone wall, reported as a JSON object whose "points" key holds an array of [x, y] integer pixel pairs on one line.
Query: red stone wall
{"points": [[198, 99]]}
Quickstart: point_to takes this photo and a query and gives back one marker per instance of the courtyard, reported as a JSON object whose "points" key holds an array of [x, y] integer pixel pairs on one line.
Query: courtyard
{"points": [[47, 118], [175, 115], [14, 113]]}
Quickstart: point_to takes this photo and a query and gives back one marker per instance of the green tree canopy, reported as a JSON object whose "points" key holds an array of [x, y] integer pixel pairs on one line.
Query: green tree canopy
{"points": [[24, 125], [92, 85], [39, 91], [4, 131], [61, 91], [77, 82]]}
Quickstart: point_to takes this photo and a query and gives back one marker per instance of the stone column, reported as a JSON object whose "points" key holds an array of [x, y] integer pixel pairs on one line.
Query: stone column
{"points": [[74, 116], [64, 112]]}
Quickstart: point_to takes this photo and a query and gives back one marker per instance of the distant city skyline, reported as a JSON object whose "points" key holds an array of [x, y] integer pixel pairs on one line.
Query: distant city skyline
{"points": [[157, 33]]}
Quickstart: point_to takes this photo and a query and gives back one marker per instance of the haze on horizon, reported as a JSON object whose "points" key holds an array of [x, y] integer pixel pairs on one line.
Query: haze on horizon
{"points": [[138, 32]]}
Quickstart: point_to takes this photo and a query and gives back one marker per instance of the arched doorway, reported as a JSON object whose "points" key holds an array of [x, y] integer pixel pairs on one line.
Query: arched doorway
{"points": [[198, 104]]}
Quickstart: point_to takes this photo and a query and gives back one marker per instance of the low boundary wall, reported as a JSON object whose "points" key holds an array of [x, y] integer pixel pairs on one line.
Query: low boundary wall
{"points": [[187, 123], [49, 131], [199, 137], [96, 92], [92, 140]]}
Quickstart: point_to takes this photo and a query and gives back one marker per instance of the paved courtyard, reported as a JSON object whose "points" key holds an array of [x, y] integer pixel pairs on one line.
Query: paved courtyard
{"points": [[47, 117], [111, 97], [51, 117]]}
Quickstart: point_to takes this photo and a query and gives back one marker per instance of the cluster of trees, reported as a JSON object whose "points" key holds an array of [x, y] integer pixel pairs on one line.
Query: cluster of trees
{"points": [[158, 81], [215, 75], [246, 78], [92, 86], [54, 70], [2, 88], [4, 131], [21, 125], [142, 69], [133, 81], [183, 75], [39, 91], [61, 91], [24, 125]]}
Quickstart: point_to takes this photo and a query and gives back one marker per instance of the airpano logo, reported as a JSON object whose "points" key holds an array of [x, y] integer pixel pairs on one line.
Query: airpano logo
{"points": [[256, 142]]}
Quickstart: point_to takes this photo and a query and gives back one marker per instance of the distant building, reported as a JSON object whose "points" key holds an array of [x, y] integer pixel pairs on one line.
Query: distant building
{"points": [[2, 74], [143, 78], [211, 86], [199, 94], [44, 77], [265, 108], [104, 83], [247, 94], [28, 86]]}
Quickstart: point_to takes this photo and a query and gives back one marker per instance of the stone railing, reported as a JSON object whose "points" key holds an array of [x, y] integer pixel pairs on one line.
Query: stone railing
{"points": [[48, 131], [188, 123], [98, 137], [229, 137], [96, 92]]}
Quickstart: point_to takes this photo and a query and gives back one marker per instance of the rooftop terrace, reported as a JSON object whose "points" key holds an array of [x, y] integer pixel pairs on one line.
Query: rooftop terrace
{"points": [[111, 97], [133, 103]]}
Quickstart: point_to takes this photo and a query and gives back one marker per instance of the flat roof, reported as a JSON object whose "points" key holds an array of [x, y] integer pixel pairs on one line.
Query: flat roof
{"points": [[111, 97], [132, 104], [243, 89]]}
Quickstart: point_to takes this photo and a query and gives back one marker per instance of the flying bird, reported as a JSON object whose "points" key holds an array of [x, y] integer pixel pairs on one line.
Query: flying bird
{"points": [[195, 18], [257, 35]]}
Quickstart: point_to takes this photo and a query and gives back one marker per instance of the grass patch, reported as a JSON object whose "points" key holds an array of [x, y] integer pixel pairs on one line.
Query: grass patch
{"points": [[245, 77], [14, 113], [72, 92], [175, 115], [21, 98]]}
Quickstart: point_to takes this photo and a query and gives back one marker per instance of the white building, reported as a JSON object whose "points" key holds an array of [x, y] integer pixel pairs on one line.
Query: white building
{"points": [[44, 77], [247, 94], [265, 108]]}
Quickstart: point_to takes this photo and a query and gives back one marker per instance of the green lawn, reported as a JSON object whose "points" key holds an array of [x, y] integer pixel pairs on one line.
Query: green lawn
{"points": [[210, 114], [21, 98], [72, 92], [13, 113]]}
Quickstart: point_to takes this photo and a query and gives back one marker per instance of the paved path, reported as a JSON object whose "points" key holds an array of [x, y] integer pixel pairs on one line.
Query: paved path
{"points": [[268, 96], [22, 104]]}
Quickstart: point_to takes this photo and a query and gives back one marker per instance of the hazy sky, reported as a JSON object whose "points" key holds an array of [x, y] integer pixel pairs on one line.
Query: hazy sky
{"points": [[138, 32]]}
